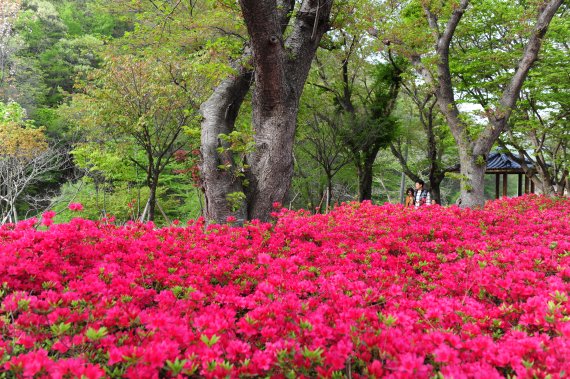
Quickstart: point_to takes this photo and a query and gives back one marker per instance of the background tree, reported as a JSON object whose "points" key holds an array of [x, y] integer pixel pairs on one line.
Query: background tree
{"points": [[51, 47], [42, 56], [8, 14], [438, 145], [25, 157], [281, 66], [539, 131], [319, 142], [144, 104], [365, 95], [472, 36], [51, 43]]}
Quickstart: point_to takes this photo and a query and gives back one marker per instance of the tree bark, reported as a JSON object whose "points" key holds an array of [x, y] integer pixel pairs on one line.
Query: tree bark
{"points": [[281, 68], [153, 187], [472, 180], [365, 176], [435, 190], [219, 113]]}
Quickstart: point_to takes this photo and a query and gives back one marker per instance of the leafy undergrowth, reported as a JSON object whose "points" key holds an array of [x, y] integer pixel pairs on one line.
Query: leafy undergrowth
{"points": [[365, 291]]}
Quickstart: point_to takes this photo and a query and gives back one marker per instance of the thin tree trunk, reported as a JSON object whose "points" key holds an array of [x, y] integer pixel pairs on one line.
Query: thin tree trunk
{"points": [[166, 218], [403, 175], [219, 114], [145, 210], [365, 176], [151, 203], [329, 191], [153, 186], [14, 212]]}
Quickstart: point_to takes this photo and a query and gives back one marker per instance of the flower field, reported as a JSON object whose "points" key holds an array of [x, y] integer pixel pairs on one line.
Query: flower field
{"points": [[365, 291]]}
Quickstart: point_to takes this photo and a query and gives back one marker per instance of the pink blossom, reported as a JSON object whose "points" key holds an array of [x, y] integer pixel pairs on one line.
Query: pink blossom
{"points": [[47, 218], [76, 207]]}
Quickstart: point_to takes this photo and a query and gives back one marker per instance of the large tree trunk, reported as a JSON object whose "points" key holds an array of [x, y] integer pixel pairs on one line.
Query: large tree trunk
{"points": [[272, 161], [435, 178], [281, 68], [219, 113], [472, 180], [435, 190], [547, 183]]}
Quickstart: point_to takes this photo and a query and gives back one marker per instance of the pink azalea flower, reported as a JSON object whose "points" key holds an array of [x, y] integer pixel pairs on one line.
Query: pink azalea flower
{"points": [[76, 207], [467, 293]]}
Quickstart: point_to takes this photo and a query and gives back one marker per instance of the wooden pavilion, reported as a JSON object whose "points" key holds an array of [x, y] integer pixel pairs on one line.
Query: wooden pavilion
{"points": [[502, 164]]}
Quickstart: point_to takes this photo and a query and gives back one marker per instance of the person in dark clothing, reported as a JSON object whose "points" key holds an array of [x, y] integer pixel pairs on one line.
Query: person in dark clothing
{"points": [[422, 195]]}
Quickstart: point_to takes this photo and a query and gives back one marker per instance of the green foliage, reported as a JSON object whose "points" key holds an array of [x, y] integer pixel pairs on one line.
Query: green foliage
{"points": [[82, 18], [240, 142], [14, 113], [96, 334], [541, 121], [209, 341], [385, 76], [39, 25], [235, 200], [125, 200], [64, 61], [487, 45], [116, 199], [110, 160], [374, 127]]}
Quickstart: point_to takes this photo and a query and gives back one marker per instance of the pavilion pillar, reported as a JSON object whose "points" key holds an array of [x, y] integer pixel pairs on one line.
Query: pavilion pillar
{"points": [[526, 184], [519, 187], [505, 185], [531, 186], [497, 181]]}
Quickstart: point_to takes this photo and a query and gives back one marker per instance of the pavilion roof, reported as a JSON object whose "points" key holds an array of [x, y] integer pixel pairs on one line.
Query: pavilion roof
{"points": [[502, 163], [498, 162]]}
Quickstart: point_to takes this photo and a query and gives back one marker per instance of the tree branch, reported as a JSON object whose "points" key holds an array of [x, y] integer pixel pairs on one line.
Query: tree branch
{"points": [[510, 95]]}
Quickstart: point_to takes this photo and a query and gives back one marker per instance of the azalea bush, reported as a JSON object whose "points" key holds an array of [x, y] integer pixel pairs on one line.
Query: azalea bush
{"points": [[365, 291]]}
